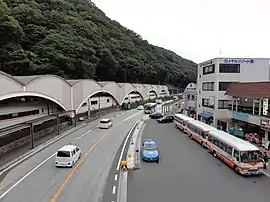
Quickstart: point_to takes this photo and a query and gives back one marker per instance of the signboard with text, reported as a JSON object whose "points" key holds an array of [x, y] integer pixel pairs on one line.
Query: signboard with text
{"points": [[265, 123], [239, 61], [240, 116]]}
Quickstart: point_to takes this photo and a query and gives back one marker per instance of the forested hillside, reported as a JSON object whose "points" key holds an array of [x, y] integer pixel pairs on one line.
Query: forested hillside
{"points": [[74, 39]]}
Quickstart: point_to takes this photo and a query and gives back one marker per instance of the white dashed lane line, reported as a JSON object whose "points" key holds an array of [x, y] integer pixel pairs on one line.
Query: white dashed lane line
{"points": [[115, 177], [114, 189]]}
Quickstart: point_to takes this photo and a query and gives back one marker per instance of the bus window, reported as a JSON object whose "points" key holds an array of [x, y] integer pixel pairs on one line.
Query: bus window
{"points": [[223, 146], [236, 155], [229, 150], [216, 142], [210, 138]]}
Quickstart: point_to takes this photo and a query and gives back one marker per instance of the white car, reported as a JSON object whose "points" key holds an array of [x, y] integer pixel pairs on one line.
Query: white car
{"points": [[67, 156], [105, 123], [140, 107]]}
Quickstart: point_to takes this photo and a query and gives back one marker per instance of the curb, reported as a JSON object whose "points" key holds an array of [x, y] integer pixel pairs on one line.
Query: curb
{"points": [[32, 152]]}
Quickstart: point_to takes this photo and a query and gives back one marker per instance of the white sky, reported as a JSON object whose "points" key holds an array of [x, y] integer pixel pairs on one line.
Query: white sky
{"points": [[197, 29]]}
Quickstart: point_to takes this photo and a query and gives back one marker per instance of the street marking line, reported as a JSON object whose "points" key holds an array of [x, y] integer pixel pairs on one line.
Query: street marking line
{"points": [[118, 115], [75, 168], [115, 177], [114, 189], [124, 146], [78, 165], [83, 135], [29, 173]]}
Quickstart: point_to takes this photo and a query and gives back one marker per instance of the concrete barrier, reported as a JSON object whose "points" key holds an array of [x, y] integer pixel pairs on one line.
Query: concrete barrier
{"points": [[131, 155]]}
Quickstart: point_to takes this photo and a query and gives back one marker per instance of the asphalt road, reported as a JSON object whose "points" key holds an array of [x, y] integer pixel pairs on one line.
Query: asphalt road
{"points": [[37, 179], [188, 173]]}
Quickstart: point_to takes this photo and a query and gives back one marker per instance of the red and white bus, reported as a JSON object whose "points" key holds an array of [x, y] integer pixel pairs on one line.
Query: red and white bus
{"points": [[180, 121], [198, 131], [239, 154]]}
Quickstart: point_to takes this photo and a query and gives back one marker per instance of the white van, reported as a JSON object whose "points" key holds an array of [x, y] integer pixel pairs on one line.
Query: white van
{"points": [[105, 123], [67, 156]]}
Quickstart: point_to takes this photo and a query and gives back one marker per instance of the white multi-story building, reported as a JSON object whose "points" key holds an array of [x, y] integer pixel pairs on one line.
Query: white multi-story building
{"points": [[190, 98], [214, 76]]}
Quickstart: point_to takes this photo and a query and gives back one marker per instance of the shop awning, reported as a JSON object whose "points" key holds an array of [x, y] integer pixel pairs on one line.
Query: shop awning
{"points": [[205, 115]]}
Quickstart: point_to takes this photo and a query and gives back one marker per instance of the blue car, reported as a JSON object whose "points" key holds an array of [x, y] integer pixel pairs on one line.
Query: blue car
{"points": [[150, 151]]}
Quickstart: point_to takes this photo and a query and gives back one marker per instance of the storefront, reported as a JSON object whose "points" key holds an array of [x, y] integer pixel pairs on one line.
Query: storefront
{"points": [[265, 126], [206, 117], [241, 128]]}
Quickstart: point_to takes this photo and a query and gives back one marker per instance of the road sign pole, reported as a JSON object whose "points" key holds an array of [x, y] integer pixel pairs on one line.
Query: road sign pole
{"points": [[137, 159]]}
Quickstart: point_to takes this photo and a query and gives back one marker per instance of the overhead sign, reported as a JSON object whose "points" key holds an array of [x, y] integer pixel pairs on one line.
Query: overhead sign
{"points": [[123, 166], [239, 61]]}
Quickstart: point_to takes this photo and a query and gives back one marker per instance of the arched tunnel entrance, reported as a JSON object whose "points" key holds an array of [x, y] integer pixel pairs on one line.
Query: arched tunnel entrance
{"points": [[152, 95], [30, 120], [96, 105]]}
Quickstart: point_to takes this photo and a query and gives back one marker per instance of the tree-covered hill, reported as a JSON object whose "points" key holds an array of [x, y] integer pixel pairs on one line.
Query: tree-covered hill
{"points": [[74, 39]]}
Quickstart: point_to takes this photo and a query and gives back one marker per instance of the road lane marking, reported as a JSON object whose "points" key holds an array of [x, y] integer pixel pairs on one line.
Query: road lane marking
{"points": [[83, 135], [125, 143], [112, 117], [115, 177], [118, 115], [113, 189], [60, 189], [24, 177], [75, 168]]}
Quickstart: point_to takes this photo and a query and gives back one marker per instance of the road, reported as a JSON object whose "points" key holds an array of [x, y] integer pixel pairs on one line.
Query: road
{"points": [[188, 173], [37, 179]]}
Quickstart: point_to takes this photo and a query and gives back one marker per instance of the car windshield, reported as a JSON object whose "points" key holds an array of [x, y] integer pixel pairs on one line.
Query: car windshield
{"points": [[250, 156], [63, 154], [104, 121], [149, 146]]}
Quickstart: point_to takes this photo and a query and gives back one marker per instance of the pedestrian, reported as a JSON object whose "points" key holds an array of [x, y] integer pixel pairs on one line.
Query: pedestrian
{"points": [[265, 159]]}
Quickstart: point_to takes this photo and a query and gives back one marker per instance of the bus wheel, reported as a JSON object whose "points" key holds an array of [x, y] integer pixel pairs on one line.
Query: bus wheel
{"points": [[214, 154]]}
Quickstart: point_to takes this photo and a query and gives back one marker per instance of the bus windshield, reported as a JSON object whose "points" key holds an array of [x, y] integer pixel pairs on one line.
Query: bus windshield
{"points": [[250, 156]]}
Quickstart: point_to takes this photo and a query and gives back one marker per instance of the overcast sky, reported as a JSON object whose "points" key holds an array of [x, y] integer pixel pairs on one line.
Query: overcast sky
{"points": [[197, 29]]}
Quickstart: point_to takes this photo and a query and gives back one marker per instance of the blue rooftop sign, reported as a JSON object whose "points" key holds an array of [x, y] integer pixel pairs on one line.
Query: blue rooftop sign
{"points": [[239, 61]]}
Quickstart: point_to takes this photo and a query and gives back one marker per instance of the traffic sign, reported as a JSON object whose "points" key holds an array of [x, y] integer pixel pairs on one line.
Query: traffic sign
{"points": [[129, 156], [123, 166]]}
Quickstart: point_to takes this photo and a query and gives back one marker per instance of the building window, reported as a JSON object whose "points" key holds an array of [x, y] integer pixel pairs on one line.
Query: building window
{"points": [[108, 100], [188, 97], [208, 86], [229, 68], [192, 97], [210, 69], [205, 102], [94, 102], [223, 104], [223, 86]]}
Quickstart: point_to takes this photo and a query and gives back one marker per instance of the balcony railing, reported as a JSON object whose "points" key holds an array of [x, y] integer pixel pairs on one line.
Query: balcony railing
{"points": [[245, 108]]}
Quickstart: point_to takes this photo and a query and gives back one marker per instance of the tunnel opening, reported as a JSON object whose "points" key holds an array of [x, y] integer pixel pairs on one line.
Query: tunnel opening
{"points": [[97, 104], [24, 118]]}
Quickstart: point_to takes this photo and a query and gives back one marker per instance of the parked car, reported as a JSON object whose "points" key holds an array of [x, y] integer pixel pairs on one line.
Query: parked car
{"points": [[156, 115], [166, 119]]}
